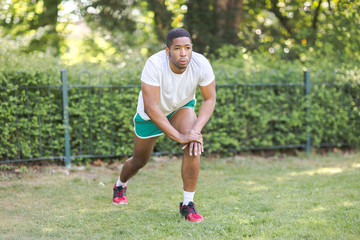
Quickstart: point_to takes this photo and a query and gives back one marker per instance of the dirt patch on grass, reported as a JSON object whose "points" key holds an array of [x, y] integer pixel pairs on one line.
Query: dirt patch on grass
{"points": [[35, 171]]}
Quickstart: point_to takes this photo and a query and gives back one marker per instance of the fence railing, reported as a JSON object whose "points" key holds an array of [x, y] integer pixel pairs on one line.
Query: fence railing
{"points": [[93, 118]]}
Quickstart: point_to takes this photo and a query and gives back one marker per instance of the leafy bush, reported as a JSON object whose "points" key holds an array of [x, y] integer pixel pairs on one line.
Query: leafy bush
{"points": [[253, 66], [31, 114], [260, 105]]}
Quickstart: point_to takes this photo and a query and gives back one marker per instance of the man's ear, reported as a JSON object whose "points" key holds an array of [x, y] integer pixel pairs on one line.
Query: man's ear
{"points": [[167, 50]]}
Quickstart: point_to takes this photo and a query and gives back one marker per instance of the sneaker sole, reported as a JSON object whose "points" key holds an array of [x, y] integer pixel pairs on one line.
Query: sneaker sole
{"points": [[193, 222], [121, 203], [189, 221]]}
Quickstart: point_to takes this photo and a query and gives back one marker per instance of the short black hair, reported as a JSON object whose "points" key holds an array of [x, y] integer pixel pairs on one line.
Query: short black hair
{"points": [[176, 33]]}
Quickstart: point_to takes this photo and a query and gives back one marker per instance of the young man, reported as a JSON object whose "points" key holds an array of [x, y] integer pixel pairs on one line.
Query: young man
{"points": [[166, 105]]}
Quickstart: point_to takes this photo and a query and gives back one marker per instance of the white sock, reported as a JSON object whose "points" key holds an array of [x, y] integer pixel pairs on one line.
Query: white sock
{"points": [[120, 183], [188, 197]]}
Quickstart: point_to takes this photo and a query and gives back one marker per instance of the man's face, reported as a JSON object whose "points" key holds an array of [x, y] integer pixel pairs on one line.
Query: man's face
{"points": [[179, 54]]}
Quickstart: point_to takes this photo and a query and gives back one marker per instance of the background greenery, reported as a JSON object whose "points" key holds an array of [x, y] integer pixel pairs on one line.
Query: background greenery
{"points": [[111, 32], [257, 108], [247, 42]]}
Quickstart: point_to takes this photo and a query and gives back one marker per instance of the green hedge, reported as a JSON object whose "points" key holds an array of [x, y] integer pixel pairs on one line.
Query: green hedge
{"points": [[257, 107], [252, 113], [31, 116]]}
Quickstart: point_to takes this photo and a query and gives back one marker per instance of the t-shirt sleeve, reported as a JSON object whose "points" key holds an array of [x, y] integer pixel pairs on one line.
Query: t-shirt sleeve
{"points": [[150, 75], [207, 73]]}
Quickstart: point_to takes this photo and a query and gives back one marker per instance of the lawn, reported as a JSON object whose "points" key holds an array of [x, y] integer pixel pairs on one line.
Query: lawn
{"points": [[241, 197]]}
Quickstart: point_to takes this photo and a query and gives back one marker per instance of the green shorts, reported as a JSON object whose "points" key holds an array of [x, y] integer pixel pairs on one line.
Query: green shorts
{"points": [[147, 129]]}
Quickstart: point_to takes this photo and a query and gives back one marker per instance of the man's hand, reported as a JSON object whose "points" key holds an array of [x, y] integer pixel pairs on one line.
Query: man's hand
{"points": [[191, 136], [195, 148], [195, 142]]}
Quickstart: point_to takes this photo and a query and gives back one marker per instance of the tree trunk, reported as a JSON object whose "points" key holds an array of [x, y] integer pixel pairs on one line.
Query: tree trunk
{"points": [[229, 14], [213, 23], [162, 18]]}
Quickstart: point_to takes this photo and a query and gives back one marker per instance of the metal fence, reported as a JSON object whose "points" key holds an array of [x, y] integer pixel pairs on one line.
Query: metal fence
{"points": [[93, 118]]}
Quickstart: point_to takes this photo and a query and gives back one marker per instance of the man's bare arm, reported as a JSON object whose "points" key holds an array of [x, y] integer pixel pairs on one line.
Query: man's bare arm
{"points": [[151, 97], [207, 108]]}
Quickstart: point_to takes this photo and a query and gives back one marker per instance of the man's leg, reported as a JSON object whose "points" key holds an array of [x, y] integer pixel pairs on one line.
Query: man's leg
{"points": [[143, 149], [142, 152], [184, 120]]}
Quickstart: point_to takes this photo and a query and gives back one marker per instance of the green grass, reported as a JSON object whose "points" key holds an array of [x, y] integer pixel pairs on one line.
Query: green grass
{"points": [[240, 198]]}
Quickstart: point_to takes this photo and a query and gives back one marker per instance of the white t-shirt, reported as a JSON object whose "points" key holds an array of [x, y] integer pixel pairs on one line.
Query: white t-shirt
{"points": [[176, 90]]}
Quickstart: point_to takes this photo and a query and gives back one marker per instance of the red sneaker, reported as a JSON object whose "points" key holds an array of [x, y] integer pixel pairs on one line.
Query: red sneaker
{"points": [[120, 195], [190, 213]]}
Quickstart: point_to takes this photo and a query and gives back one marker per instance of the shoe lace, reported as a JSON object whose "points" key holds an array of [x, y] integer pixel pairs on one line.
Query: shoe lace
{"points": [[119, 191], [191, 208]]}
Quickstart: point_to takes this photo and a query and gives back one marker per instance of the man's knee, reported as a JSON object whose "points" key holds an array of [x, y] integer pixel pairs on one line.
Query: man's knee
{"points": [[139, 162], [183, 120]]}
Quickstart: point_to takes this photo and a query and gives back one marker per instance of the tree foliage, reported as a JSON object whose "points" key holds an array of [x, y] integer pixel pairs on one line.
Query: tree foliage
{"points": [[275, 25], [37, 19], [291, 27], [110, 14]]}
